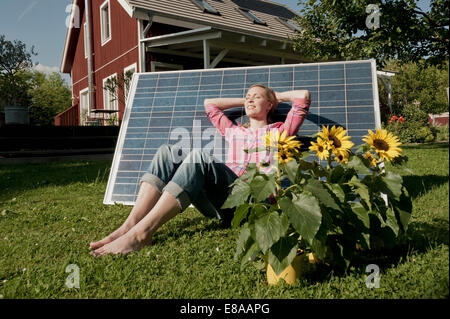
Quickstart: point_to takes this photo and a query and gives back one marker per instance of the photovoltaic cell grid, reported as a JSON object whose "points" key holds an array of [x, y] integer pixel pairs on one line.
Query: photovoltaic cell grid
{"points": [[167, 107]]}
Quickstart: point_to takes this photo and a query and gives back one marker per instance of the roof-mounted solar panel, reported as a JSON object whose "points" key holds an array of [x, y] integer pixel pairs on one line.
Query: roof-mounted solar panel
{"points": [[206, 7], [290, 24], [251, 16], [167, 107]]}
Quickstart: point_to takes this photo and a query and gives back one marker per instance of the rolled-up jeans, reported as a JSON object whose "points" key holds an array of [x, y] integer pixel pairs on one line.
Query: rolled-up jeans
{"points": [[195, 178]]}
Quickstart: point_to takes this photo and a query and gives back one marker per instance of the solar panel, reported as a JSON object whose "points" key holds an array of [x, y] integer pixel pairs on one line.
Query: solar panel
{"points": [[167, 107]]}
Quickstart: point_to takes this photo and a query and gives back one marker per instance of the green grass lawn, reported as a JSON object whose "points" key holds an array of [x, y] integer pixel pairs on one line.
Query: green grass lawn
{"points": [[50, 213]]}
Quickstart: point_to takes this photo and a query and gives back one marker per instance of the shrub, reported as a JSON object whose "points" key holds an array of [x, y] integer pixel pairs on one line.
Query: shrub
{"points": [[417, 82], [412, 126], [441, 132]]}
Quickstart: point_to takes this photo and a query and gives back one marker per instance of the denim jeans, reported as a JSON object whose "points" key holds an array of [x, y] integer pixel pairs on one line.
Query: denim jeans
{"points": [[195, 178]]}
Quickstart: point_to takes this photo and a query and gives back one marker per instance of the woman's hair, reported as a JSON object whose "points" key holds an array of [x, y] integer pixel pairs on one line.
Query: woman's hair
{"points": [[270, 95]]}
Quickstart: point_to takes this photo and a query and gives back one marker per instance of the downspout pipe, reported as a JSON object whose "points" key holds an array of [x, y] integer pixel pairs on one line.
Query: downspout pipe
{"points": [[89, 57]]}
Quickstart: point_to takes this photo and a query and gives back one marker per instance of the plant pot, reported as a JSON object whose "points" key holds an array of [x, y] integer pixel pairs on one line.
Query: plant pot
{"points": [[290, 274]]}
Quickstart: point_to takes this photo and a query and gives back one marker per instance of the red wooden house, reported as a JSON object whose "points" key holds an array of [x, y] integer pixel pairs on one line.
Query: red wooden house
{"points": [[107, 38]]}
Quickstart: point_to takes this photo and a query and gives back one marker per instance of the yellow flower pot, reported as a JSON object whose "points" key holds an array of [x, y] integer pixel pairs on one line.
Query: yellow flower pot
{"points": [[291, 272]]}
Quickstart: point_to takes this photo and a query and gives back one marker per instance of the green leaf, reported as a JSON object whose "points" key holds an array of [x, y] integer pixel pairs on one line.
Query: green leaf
{"points": [[319, 244], [304, 214], [244, 237], [403, 209], [317, 188], [262, 187], [291, 169], [361, 213], [361, 189], [255, 150], [358, 164], [239, 215], [269, 229], [391, 221], [282, 253], [238, 196], [250, 254], [362, 233], [250, 172], [337, 191], [246, 247], [392, 184]]}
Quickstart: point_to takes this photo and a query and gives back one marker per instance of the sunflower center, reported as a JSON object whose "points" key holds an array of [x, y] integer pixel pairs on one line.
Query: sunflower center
{"points": [[381, 145], [320, 148], [283, 156], [336, 141]]}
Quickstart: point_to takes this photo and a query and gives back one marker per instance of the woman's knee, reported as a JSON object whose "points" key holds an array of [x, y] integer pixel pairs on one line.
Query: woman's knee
{"points": [[196, 156], [164, 152]]}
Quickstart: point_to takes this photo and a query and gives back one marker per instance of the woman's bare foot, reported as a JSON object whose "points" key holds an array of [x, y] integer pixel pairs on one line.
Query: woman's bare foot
{"points": [[123, 245], [122, 230]]}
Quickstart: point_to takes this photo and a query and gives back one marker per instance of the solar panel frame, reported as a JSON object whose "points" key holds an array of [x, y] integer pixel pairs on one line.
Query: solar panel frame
{"points": [[323, 69]]}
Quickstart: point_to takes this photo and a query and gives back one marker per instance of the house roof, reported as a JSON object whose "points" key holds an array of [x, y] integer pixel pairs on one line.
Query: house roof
{"points": [[230, 17]]}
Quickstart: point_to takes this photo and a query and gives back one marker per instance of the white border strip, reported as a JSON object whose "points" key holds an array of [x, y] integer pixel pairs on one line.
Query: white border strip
{"points": [[376, 100], [120, 140], [261, 67]]}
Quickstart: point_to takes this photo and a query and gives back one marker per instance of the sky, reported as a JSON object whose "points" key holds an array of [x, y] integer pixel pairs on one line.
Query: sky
{"points": [[42, 23]]}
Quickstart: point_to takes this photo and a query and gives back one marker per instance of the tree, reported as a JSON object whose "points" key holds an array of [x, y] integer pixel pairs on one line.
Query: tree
{"points": [[50, 95], [14, 59], [415, 83], [340, 30]]}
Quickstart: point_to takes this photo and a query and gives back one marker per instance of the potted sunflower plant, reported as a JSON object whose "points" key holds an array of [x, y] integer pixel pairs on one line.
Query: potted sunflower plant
{"points": [[320, 205]]}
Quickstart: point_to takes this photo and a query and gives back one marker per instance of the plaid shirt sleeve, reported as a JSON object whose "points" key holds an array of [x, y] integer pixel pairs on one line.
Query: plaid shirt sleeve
{"points": [[296, 116], [218, 118]]}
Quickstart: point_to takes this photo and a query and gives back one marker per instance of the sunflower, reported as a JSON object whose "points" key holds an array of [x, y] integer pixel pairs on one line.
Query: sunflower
{"points": [[385, 144], [341, 157], [336, 139], [283, 157], [321, 148], [371, 157], [281, 142], [286, 147]]}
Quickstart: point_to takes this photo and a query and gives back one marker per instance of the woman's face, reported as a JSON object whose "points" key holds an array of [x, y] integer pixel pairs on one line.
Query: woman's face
{"points": [[257, 105]]}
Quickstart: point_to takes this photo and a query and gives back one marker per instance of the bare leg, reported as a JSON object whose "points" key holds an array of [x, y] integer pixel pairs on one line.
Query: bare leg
{"points": [[141, 234], [147, 198]]}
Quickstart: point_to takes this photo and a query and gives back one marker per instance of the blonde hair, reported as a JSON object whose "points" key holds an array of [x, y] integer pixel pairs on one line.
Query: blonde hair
{"points": [[271, 97]]}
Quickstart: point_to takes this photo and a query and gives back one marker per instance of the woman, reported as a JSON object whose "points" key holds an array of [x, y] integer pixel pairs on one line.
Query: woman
{"points": [[169, 187]]}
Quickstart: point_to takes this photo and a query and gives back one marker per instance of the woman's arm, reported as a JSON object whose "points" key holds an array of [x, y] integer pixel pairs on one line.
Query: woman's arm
{"points": [[301, 100], [224, 103], [290, 96]]}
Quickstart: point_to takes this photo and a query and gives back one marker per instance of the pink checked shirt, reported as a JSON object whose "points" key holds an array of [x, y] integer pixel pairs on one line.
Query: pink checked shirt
{"points": [[240, 138]]}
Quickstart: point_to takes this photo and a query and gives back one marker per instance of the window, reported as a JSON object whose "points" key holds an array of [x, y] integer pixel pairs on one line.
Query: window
{"points": [[84, 106], [110, 95], [86, 52], [206, 7], [289, 24], [249, 15], [105, 22], [127, 74]]}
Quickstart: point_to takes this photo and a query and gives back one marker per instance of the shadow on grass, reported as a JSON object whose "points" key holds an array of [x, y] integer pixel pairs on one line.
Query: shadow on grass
{"points": [[419, 185], [18, 178], [420, 238], [426, 146]]}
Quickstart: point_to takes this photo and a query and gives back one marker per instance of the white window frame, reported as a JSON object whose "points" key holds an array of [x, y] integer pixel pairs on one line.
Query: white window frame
{"points": [[125, 70], [108, 94], [85, 41], [102, 31], [84, 119]]}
